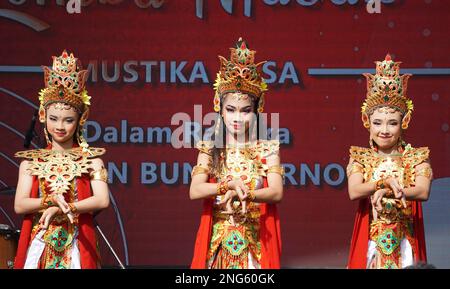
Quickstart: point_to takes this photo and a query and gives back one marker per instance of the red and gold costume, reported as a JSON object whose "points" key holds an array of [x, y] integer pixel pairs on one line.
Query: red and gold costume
{"points": [[394, 236], [63, 244], [250, 240]]}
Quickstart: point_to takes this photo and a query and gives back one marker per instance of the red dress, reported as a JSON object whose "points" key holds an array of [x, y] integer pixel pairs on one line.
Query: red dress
{"points": [[86, 239]]}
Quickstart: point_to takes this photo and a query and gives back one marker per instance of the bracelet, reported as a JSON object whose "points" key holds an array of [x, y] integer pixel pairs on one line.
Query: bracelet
{"points": [[277, 169], [100, 175], [72, 207], [251, 196], [222, 187], [47, 202], [380, 184], [196, 170]]}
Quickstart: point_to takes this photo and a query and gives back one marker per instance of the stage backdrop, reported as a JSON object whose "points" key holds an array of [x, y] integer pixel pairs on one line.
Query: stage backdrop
{"points": [[150, 60]]}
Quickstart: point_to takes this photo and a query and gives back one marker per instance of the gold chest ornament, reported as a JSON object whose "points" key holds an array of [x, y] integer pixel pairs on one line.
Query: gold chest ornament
{"points": [[389, 168], [59, 168]]}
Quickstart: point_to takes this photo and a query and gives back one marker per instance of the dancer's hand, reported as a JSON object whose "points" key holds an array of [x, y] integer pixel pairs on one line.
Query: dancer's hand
{"points": [[58, 199], [376, 199], [47, 216], [403, 199], [244, 207], [227, 200], [228, 208], [395, 187], [374, 214], [240, 188], [70, 217]]}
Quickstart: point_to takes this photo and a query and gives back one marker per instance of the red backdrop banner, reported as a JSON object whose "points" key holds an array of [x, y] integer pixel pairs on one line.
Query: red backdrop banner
{"points": [[150, 60]]}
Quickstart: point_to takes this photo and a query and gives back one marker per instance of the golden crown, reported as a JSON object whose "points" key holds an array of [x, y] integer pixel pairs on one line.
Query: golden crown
{"points": [[387, 88], [65, 83], [240, 74]]}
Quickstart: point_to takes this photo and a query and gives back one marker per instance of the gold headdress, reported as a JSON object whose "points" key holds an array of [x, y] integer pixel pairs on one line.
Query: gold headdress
{"points": [[387, 88], [65, 83], [240, 74]]}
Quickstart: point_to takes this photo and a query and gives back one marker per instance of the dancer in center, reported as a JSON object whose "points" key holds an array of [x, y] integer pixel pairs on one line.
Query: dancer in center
{"points": [[238, 175]]}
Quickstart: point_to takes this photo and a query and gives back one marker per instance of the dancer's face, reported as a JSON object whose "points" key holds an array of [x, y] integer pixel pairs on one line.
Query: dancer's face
{"points": [[385, 127], [238, 112], [62, 120]]}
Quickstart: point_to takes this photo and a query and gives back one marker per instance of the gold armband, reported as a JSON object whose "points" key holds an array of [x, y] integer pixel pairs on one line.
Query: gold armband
{"points": [[425, 172], [99, 175], [277, 169], [354, 168], [196, 170]]}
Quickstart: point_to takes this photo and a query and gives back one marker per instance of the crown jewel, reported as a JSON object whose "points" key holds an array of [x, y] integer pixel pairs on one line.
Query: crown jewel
{"points": [[387, 87], [240, 74]]}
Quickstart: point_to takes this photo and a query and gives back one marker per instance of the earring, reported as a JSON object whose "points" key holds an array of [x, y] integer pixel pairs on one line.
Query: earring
{"points": [[216, 102], [373, 145], [253, 129], [261, 104], [81, 141], [400, 144], [47, 139], [218, 142]]}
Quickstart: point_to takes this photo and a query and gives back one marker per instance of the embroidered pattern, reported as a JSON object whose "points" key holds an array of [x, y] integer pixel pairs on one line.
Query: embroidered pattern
{"points": [[393, 222], [232, 242], [59, 168]]}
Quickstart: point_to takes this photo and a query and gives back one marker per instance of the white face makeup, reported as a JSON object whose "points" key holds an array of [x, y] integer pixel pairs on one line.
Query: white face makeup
{"points": [[238, 113]]}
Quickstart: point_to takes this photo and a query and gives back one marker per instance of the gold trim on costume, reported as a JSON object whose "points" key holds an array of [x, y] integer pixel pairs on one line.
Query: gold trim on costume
{"points": [[251, 196], [394, 222], [205, 147], [387, 88], [99, 175], [73, 208], [240, 74], [425, 172], [222, 187], [65, 83], [277, 169], [59, 168], [47, 201], [353, 168], [197, 170]]}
